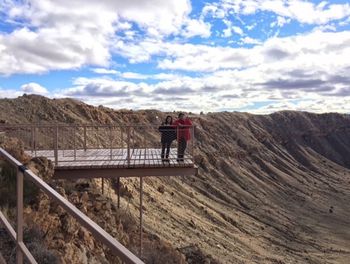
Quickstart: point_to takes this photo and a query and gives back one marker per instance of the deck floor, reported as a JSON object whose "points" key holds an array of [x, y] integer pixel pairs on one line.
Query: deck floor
{"points": [[112, 158]]}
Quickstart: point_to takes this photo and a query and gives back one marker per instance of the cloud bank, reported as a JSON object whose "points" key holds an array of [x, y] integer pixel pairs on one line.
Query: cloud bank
{"points": [[170, 55]]}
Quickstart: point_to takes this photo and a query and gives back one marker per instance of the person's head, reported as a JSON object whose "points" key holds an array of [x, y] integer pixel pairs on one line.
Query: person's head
{"points": [[182, 116], [168, 120]]}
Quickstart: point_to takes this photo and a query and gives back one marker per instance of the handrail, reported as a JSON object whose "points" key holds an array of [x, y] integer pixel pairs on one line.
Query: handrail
{"points": [[61, 138], [84, 220], [79, 125], [26, 252], [8, 226]]}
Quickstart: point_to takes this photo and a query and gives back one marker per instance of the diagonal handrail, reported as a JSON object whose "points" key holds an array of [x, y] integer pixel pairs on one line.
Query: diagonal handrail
{"points": [[99, 233]]}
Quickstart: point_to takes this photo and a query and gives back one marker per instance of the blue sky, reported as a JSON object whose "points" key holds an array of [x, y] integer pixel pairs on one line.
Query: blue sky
{"points": [[258, 56]]}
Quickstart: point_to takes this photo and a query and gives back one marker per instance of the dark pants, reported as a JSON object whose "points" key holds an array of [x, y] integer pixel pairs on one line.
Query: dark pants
{"points": [[181, 147], [165, 145]]}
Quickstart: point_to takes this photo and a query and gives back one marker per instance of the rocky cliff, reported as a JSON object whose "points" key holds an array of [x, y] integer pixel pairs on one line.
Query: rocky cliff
{"points": [[271, 188]]}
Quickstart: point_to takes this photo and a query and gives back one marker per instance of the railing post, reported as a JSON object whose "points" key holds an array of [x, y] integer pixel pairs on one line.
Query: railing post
{"points": [[111, 142], [121, 139], [192, 143], [35, 136], [74, 142], [84, 137], [133, 138], [141, 220], [19, 254], [56, 145], [118, 187], [32, 134], [97, 232], [128, 145]]}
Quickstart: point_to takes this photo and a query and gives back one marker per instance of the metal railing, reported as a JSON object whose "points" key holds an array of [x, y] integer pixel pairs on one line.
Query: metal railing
{"points": [[66, 143], [97, 232]]}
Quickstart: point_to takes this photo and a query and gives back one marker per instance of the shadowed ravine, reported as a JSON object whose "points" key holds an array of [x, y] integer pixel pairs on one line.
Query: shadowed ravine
{"points": [[270, 189]]}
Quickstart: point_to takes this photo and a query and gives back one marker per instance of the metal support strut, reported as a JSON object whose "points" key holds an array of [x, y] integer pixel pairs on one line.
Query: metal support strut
{"points": [[118, 189], [141, 223]]}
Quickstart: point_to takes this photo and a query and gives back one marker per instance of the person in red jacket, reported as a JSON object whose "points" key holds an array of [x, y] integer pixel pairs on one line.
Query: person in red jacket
{"points": [[183, 127]]}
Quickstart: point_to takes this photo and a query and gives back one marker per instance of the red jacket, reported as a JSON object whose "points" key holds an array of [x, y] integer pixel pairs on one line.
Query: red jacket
{"points": [[183, 128]]}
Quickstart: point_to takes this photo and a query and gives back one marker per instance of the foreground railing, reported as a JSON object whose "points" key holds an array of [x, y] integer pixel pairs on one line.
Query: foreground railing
{"points": [[66, 143], [97, 232]]}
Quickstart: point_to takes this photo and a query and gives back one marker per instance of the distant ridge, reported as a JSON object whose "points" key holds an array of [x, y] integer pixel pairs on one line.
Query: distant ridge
{"points": [[271, 188]]}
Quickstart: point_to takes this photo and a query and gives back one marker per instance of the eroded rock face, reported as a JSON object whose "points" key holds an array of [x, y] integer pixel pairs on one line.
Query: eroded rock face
{"points": [[42, 167], [14, 147], [194, 255], [270, 188]]}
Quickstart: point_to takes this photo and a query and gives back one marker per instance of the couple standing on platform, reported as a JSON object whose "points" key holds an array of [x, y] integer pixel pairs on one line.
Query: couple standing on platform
{"points": [[180, 129]]}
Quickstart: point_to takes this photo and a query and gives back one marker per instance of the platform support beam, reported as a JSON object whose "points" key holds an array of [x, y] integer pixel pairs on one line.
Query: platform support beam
{"points": [[141, 211], [19, 238], [56, 145], [128, 145], [84, 138], [90, 173], [103, 185], [118, 189]]}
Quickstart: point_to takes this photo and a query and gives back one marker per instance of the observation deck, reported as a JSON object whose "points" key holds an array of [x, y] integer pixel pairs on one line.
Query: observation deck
{"points": [[105, 151]]}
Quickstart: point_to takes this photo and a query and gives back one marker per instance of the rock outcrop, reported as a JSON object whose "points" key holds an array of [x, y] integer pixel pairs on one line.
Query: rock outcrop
{"points": [[271, 188]]}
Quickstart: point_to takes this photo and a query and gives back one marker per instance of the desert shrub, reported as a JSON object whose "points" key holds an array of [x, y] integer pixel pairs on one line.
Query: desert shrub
{"points": [[195, 255], [159, 252], [8, 181], [14, 147], [42, 254], [7, 184], [33, 239]]}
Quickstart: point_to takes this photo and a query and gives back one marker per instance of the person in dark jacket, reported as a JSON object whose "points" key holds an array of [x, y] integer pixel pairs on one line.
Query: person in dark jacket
{"points": [[168, 134], [183, 127]]}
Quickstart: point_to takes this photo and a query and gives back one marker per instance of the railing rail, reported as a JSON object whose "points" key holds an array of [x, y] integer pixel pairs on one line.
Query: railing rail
{"points": [[74, 140], [100, 234]]}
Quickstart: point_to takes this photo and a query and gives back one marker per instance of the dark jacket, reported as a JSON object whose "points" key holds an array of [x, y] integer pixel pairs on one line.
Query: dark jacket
{"points": [[168, 132]]}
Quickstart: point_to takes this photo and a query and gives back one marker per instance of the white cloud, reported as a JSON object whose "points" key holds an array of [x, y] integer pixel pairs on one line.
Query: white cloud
{"points": [[300, 10], [134, 75], [138, 76], [166, 17], [296, 72], [228, 31], [222, 90], [310, 105], [249, 40], [306, 71], [213, 10], [281, 21], [104, 71], [9, 93], [345, 22], [60, 41], [101, 87], [166, 76], [250, 27], [315, 50], [196, 28], [68, 35], [237, 30], [34, 88]]}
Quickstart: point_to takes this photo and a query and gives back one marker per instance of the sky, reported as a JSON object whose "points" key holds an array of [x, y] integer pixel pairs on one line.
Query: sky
{"points": [[257, 56]]}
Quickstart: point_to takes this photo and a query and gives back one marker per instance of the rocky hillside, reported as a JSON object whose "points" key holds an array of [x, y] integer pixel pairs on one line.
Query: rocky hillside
{"points": [[271, 188]]}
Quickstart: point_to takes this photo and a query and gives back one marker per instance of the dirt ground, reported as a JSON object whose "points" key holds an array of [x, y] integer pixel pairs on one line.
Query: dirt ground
{"points": [[270, 189]]}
